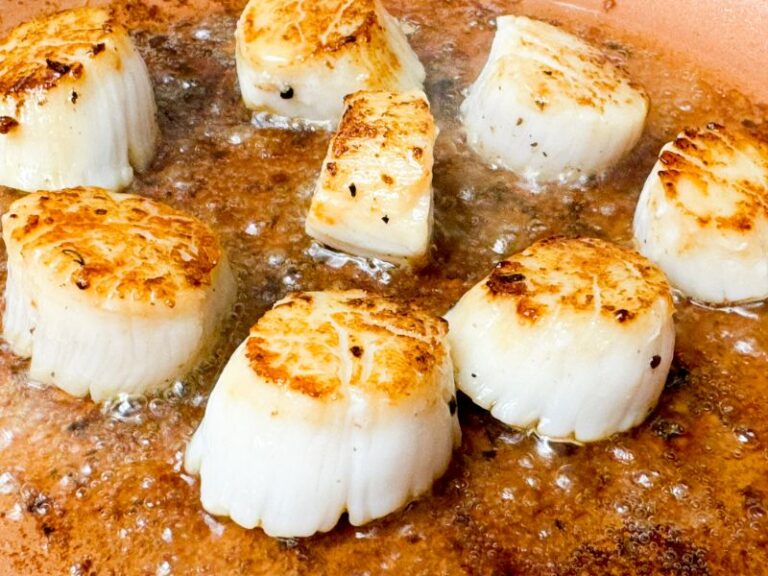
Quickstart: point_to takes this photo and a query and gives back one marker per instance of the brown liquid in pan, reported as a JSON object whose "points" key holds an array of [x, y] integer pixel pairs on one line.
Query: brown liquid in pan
{"points": [[89, 489]]}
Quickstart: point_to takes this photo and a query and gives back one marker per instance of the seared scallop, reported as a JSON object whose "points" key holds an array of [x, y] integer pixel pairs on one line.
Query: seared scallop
{"points": [[299, 59], [549, 106], [374, 194], [571, 338], [110, 293], [703, 214], [336, 401], [76, 104]]}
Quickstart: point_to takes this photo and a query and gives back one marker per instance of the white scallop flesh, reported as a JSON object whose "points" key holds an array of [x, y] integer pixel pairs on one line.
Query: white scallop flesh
{"points": [[374, 194], [550, 107], [109, 293], [299, 59], [337, 401], [76, 104], [703, 214], [572, 339]]}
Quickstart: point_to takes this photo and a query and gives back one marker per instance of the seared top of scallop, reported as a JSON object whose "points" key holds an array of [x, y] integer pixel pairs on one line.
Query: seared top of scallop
{"points": [[583, 275], [552, 68], [388, 119], [717, 177], [323, 344], [115, 251], [43, 53], [274, 33], [381, 147]]}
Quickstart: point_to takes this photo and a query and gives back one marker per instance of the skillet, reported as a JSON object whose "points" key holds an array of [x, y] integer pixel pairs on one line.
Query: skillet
{"points": [[99, 489]]}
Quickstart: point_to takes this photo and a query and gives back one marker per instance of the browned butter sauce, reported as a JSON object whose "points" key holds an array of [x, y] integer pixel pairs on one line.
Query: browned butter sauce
{"points": [[92, 489]]}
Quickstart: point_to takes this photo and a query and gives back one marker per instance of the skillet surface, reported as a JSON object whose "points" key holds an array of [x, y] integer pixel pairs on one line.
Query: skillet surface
{"points": [[92, 489]]}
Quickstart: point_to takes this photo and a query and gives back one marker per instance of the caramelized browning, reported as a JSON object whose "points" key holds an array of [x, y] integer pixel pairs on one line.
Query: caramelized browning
{"points": [[375, 140], [697, 176], [317, 26], [374, 194], [7, 124], [277, 33], [322, 344], [389, 118], [93, 489], [111, 246], [41, 54], [586, 275], [564, 69]]}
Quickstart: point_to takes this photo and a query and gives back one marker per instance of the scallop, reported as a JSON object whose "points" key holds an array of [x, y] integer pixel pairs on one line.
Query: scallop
{"points": [[549, 106], [110, 293], [374, 194], [571, 338], [336, 401], [703, 214], [299, 59], [76, 104]]}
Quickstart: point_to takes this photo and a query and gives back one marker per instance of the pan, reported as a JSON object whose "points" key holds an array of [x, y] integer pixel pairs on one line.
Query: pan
{"points": [[88, 488]]}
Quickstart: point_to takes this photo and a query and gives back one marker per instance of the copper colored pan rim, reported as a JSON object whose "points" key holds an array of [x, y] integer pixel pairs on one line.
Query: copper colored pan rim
{"points": [[726, 38]]}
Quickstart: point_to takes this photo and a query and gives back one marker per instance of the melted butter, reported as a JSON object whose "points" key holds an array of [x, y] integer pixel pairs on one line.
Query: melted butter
{"points": [[86, 488]]}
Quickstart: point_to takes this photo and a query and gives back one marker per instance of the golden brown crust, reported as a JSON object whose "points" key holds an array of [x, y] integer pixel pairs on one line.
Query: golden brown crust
{"points": [[373, 153], [382, 120], [299, 32], [576, 511], [392, 119], [319, 344], [43, 53], [701, 161], [584, 275], [112, 247], [329, 27], [561, 66]]}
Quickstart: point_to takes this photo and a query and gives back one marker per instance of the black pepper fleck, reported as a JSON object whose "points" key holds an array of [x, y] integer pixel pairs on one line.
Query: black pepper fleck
{"points": [[76, 256], [287, 94], [73, 97], [353, 190], [385, 219], [59, 67], [623, 315], [7, 124], [655, 361], [357, 351]]}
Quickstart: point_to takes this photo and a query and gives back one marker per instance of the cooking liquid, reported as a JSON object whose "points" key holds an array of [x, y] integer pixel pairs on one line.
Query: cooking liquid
{"points": [[100, 489]]}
